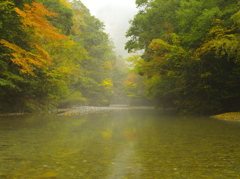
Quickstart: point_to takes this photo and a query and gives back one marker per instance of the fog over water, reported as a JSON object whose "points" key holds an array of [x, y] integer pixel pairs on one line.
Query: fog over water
{"points": [[116, 16]]}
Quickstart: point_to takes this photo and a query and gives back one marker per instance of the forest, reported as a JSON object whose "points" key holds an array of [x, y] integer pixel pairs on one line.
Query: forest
{"points": [[55, 54], [191, 57]]}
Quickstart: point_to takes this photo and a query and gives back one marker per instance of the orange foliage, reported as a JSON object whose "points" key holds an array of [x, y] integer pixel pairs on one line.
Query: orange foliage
{"points": [[149, 64], [169, 27], [26, 60], [39, 33], [162, 69], [160, 59], [33, 19], [132, 76], [130, 79], [128, 82], [155, 46], [180, 52]]}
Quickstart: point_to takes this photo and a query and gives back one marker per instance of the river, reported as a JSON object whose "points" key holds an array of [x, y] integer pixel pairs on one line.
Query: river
{"points": [[129, 144]]}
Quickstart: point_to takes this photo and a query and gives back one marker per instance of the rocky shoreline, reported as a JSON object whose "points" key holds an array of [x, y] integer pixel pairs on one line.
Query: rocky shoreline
{"points": [[230, 116], [80, 110], [93, 109]]}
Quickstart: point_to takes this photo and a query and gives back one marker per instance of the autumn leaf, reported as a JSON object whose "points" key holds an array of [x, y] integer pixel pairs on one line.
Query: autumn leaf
{"points": [[107, 83], [34, 19], [24, 59], [40, 32]]}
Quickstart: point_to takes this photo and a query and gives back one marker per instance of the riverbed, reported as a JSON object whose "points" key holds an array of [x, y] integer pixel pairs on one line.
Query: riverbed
{"points": [[134, 143]]}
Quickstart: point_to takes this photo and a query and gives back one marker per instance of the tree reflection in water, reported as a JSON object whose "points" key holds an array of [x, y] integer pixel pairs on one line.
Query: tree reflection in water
{"points": [[124, 144]]}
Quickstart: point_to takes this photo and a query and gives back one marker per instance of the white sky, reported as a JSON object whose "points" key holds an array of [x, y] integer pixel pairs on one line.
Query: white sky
{"points": [[95, 5], [115, 14]]}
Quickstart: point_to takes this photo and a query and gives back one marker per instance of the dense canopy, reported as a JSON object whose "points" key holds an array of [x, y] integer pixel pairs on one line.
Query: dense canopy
{"points": [[191, 53], [54, 54]]}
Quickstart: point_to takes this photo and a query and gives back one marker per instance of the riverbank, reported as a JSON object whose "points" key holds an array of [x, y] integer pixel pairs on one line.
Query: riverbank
{"points": [[93, 109], [80, 110], [230, 116], [88, 110]]}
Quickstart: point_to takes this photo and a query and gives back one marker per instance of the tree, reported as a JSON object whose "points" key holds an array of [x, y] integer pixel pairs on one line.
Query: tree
{"points": [[64, 20], [174, 35], [97, 67], [53, 54], [30, 54], [40, 31]]}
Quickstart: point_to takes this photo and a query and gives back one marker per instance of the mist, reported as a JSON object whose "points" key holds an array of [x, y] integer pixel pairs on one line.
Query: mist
{"points": [[116, 17]]}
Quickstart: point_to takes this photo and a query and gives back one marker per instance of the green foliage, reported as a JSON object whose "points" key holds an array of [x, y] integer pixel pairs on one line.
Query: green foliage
{"points": [[79, 67], [141, 2], [64, 20], [135, 90], [4, 82], [191, 53], [151, 23], [98, 66]]}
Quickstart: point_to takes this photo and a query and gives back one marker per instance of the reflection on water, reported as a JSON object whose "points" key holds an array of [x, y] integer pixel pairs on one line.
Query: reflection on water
{"points": [[124, 144]]}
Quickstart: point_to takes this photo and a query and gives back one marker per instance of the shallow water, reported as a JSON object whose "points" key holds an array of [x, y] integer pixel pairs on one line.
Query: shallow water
{"points": [[117, 145]]}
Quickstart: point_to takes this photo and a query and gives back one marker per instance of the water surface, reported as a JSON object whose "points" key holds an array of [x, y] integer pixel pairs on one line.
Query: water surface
{"points": [[117, 145]]}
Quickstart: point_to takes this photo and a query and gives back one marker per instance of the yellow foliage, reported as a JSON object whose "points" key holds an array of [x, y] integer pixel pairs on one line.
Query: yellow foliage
{"points": [[105, 101], [135, 63], [64, 2], [26, 60], [107, 83], [236, 18], [6, 6], [40, 33], [132, 96], [34, 21], [221, 40], [60, 72], [108, 64], [159, 44]]}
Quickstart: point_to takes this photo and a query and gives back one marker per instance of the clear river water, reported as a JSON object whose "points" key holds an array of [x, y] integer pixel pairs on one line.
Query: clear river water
{"points": [[129, 144]]}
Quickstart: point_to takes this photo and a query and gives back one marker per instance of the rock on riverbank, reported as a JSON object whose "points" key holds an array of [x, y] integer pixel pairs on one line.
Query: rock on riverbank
{"points": [[230, 116]]}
